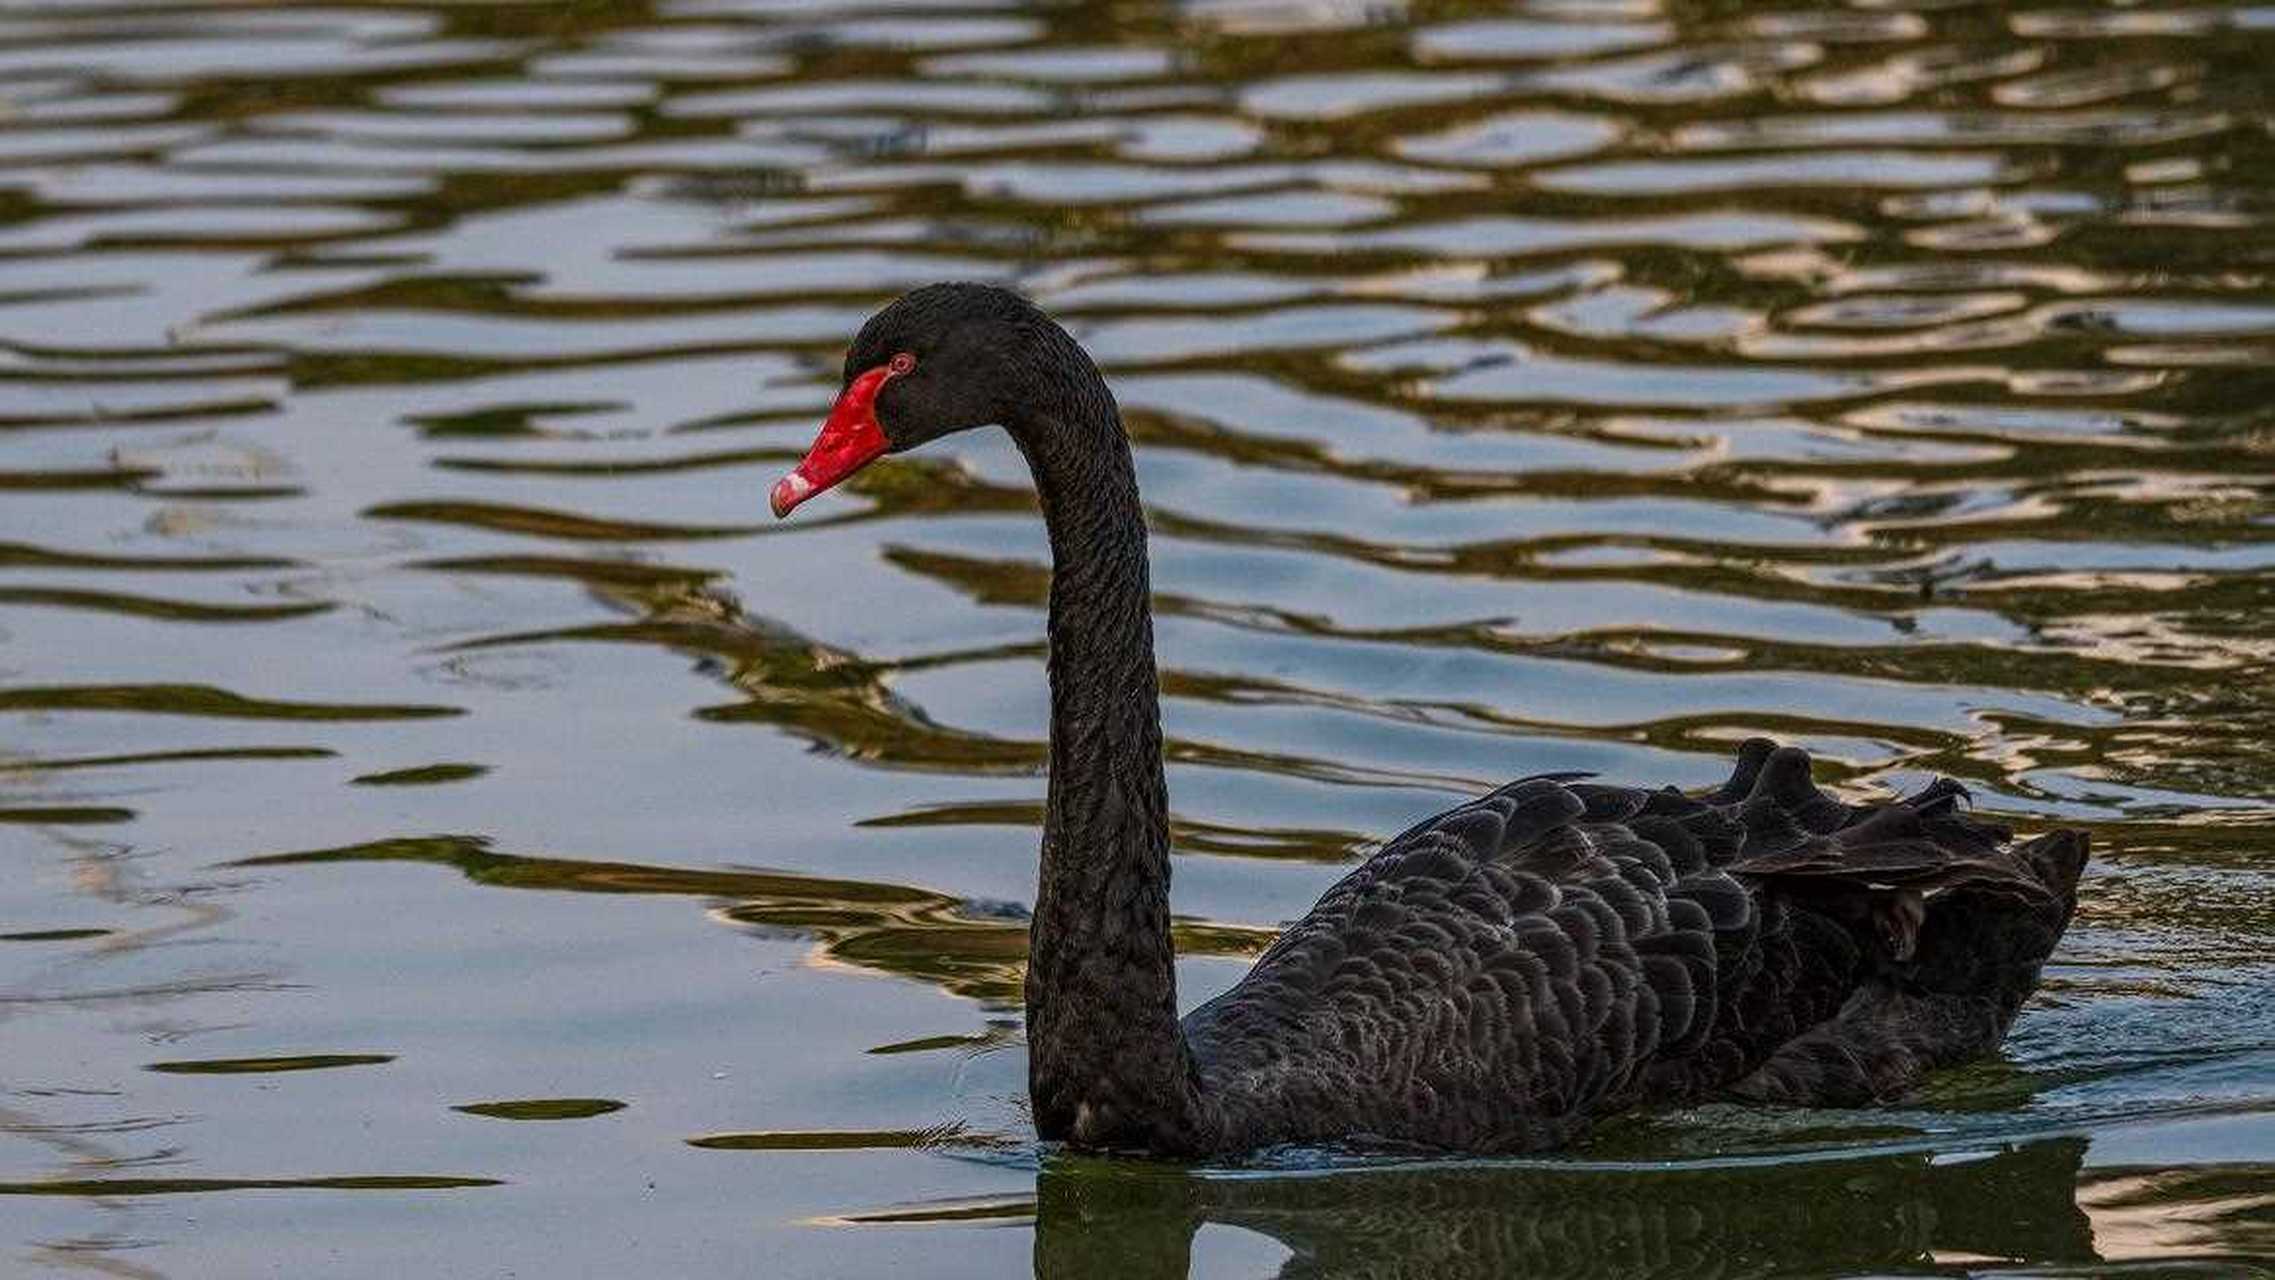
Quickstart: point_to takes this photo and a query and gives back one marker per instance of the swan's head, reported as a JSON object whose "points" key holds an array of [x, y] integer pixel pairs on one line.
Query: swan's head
{"points": [[943, 358]]}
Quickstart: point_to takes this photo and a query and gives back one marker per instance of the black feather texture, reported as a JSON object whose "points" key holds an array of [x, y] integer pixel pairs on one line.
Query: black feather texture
{"points": [[1555, 950], [1498, 974]]}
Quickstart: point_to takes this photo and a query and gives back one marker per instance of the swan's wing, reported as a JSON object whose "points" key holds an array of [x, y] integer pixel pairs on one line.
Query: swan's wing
{"points": [[1559, 947], [1488, 976]]}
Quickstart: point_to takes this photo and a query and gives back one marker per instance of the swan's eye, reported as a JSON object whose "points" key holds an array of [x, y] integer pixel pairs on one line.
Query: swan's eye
{"points": [[904, 363]]}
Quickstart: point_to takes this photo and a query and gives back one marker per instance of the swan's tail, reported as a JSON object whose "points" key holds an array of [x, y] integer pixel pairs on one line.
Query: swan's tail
{"points": [[1980, 932]]}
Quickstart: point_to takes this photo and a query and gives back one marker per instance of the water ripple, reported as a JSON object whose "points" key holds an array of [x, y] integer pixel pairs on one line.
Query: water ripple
{"points": [[1568, 384]]}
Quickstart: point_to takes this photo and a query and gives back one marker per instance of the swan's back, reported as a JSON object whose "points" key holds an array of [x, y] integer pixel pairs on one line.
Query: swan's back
{"points": [[1559, 949]]}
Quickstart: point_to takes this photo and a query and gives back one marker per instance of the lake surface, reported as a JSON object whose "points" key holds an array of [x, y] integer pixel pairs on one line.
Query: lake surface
{"points": [[448, 829]]}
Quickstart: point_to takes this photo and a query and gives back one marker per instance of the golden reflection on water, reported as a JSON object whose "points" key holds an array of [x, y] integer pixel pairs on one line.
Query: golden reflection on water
{"points": [[387, 397]]}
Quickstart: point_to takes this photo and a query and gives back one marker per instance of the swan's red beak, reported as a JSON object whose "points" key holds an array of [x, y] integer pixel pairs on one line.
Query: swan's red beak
{"points": [[850, 440]]}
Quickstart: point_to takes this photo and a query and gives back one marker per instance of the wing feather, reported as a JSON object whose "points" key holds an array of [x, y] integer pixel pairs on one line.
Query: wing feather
{"points": [[1562, 946]]}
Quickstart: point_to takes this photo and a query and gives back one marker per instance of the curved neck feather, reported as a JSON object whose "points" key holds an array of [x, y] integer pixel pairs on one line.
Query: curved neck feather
{"points": [[1106, 1063]]}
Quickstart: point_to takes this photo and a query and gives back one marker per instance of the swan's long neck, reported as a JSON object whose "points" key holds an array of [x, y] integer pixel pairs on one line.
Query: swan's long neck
{"points": [[1106, 1064]]}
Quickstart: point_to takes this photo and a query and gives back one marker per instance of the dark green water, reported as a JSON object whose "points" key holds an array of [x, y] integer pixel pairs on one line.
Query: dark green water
{"points": [[447, 829]]}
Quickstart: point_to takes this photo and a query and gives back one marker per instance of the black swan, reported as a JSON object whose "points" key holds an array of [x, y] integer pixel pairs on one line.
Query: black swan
{"points": [[1498, 974]]}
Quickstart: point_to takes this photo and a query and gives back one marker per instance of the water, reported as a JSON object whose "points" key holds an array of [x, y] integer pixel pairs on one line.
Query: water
{"points": [[449, 829]]}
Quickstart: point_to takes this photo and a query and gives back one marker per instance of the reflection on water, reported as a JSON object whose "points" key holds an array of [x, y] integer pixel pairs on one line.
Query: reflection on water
{"points": [[1895, 1211], [2027, 1203], [387, 397]]}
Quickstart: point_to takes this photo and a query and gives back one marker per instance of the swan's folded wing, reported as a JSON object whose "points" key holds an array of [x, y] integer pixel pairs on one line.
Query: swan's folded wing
{"points": [[1490, 976], [1561, 947]]}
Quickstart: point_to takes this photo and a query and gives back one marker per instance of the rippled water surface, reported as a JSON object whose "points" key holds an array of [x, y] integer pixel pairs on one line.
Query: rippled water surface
{"points": [[448, 829]]}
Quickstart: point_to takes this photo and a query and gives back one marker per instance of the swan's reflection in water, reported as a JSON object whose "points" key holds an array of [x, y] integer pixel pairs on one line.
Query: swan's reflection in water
{"points": [[1895, 1211]]}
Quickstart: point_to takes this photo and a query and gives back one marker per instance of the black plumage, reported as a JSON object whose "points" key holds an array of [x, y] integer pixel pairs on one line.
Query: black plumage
{"points": [[1498, 974], [1557, 949]]}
